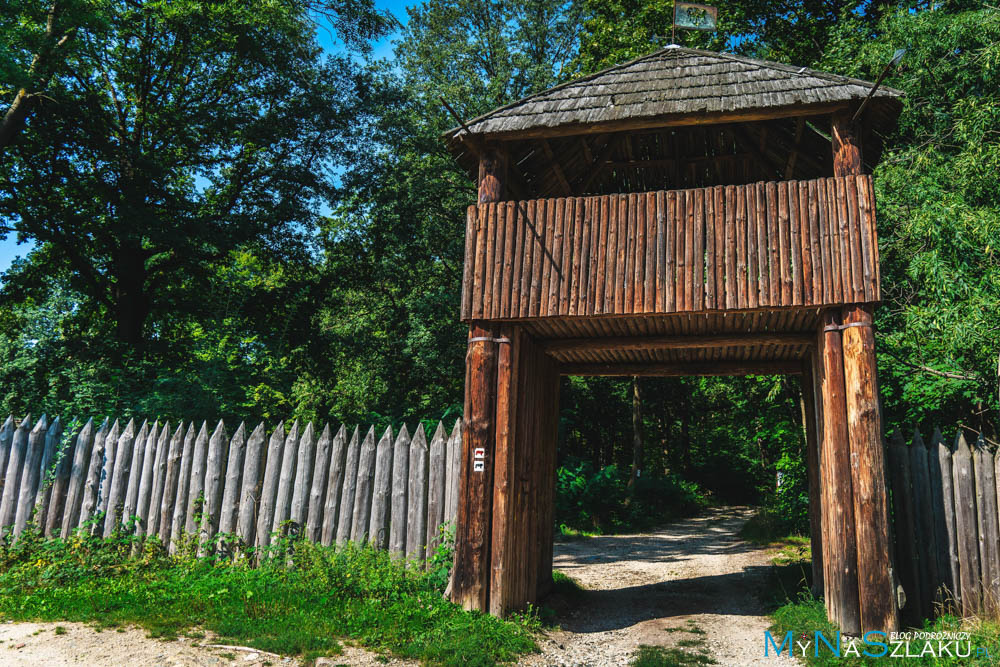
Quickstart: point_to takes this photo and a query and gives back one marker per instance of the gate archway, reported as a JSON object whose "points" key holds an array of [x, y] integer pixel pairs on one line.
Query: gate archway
{"points": [[686, 213]]}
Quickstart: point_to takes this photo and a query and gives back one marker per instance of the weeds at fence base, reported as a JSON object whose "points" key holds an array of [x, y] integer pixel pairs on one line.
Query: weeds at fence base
{"points": [[303, 603]]}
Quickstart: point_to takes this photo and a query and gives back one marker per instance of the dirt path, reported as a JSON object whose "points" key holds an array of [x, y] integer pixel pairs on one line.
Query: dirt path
{"points": [[691, 585]]}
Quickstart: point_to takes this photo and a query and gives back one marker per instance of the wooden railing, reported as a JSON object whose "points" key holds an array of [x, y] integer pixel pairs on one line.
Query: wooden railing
{"points": [[746, 247]]}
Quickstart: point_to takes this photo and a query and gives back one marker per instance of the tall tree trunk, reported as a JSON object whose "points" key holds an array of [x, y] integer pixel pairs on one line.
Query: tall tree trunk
{"points": [[131, 301], [636, 433]]}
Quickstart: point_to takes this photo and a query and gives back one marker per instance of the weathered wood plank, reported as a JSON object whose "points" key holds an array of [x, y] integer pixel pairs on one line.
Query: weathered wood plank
{"points": [[378, 525], [416, 510], [286, 481], [215, 476], [233, 487], [171, 482], [923, 522], [454, 468], [251, 487], [56, 497], [79, 470], [346, 518], [159, 479], [334, 487], [144, 488], [269, 485], [30, 475], [6, 439], [303, 477], [92, 485], [107, 472], [435, 488], [989, 528], [15, 470], [118, 481], [196, 485], [181, 503], [907, 557], [320, 479], [43, 488], [966, 526], [942, 488], [398, 516], [364, 489]]}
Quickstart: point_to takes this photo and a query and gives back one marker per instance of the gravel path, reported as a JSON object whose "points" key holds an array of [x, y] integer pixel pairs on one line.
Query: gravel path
{"points": [[690, 585]]}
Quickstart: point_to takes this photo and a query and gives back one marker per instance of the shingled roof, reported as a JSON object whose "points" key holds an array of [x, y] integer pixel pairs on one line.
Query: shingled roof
{"points": [[673, 83]]}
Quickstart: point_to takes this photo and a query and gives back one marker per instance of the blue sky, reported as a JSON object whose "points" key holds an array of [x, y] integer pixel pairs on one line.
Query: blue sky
{"points": [[9, 247]]}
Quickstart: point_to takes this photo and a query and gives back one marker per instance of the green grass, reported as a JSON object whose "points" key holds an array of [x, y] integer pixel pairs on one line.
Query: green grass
{"points": [[660, 656], [302, 602]]}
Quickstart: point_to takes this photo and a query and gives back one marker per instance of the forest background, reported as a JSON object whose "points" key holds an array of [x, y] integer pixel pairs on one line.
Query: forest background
{"points": [[241, 209]]}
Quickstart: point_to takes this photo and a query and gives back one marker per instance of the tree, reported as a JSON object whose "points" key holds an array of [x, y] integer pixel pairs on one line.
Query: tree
{"points": [[184, 131]]}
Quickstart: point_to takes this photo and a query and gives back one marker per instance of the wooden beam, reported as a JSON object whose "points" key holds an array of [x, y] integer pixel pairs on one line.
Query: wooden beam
{"points": [[846, 145], [670, 120], [793, 154], [492, 174], [558, 345], [595, 166], [684, 369], [556, 169]]}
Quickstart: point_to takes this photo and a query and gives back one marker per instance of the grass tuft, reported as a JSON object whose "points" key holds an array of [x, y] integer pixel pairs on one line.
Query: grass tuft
{"points": [[303, 601]]}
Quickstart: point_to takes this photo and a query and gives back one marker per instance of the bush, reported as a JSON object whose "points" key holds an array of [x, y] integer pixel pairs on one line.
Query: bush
{"points": [[588, 499]]}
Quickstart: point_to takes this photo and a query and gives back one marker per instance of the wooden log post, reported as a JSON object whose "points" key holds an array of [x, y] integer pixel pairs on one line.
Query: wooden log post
{"points": [[320, 479], [811, 428], [30, 475], [923, 515], [153, 515], [867, 467], [144, 487], [436, 488], [286, 482], [470, 586], [963, 479], [345, 517], [183, 482], [454, 459], [840, 549], [196, 485], [416, 504], [250, 488], [15, 468], [907, 555], [215, 477], [400, 480], [846, 144], [303, 477], [40, 506], [269, 486], [77, 478], [143, 439], [117, 482], [92, 485], [334, 487], [173, 460], [364, 490], [939, 457], [233, 488], [492, 174], [107, 472], [378, 525], [56, 503], [987, 524]]}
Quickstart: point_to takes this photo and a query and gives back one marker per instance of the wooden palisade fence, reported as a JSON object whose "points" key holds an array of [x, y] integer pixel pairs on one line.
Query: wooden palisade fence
{"points": [[394, 491], [947, 529]]}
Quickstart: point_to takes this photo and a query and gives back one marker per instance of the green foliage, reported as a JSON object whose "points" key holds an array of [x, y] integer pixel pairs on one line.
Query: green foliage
{"points": [[599, 500], [300, 604]]}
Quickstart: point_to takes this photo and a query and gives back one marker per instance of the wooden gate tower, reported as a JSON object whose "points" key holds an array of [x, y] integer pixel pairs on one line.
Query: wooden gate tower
{"points": [[686, 213]]}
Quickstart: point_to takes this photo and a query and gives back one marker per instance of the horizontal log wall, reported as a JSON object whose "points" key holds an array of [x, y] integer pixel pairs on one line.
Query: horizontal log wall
{"points": [[763, 245], [388, 488]]}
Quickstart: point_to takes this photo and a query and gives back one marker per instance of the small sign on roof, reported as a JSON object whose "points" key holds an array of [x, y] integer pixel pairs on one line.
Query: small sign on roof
{"points": [[693, 16]]}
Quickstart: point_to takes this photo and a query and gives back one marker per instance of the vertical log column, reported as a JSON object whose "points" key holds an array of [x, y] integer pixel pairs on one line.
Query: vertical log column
{"points": [[840, 548], [471, 577], [856, 496], [809, 422], [871, 514]]}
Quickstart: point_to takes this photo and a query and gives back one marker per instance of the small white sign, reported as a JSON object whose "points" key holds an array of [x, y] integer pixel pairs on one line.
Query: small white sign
{"points": [[478, 466], [480, 453]]}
